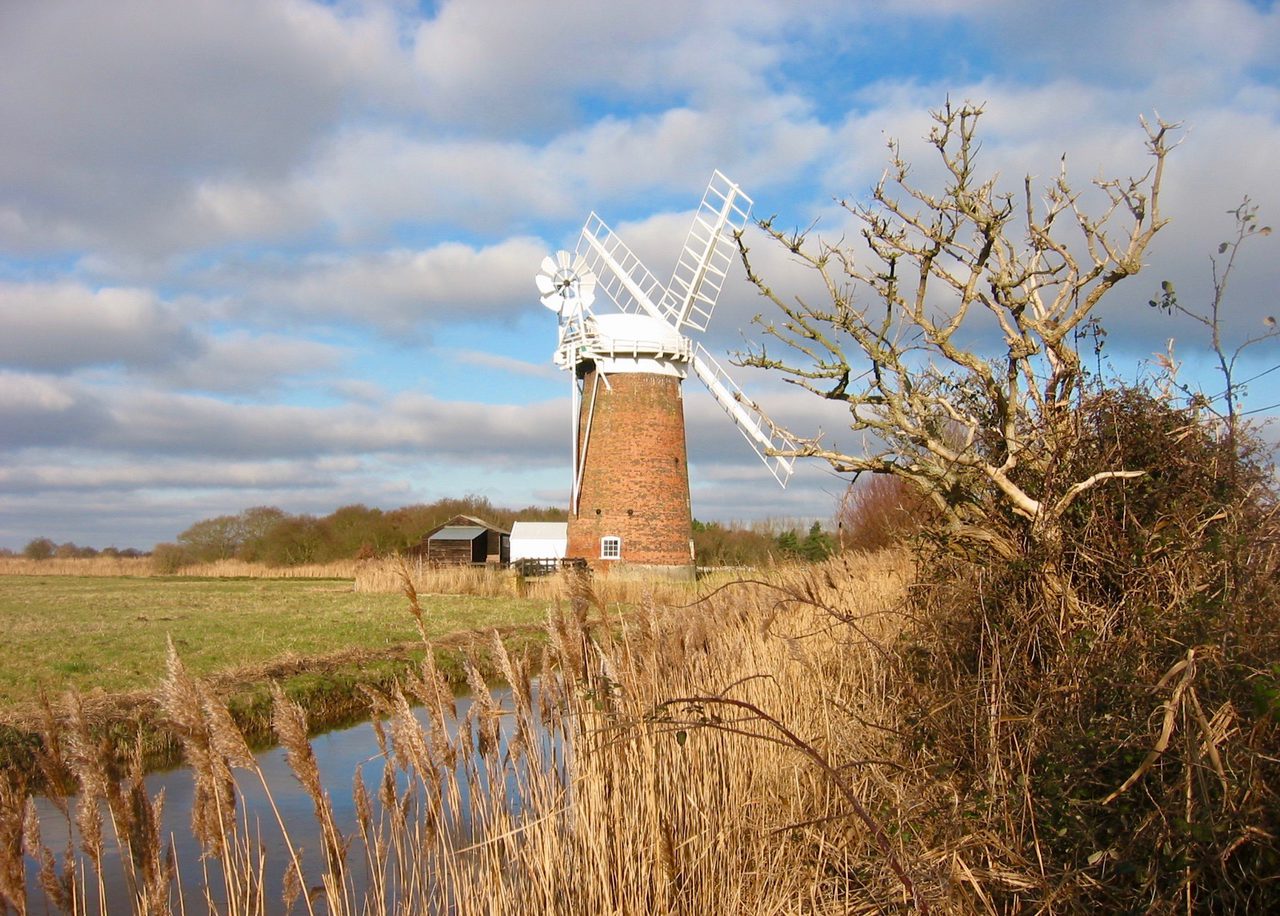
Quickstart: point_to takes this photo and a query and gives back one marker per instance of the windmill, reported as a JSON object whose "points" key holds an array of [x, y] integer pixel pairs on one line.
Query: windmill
{"points": [[630, 494]]}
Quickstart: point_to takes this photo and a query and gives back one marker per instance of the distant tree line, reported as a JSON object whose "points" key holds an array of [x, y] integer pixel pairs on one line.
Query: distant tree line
{"points": [[759, 544], [43, 548], [269, 535], [266, 534]]}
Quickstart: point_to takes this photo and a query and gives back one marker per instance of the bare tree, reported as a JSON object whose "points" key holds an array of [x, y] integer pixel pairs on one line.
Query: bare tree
{"points": [[955, 344], [1222, 266]]}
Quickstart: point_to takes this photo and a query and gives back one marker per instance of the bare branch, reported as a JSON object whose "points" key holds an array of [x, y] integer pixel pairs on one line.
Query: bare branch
{"points": [[949, 331], [1076, 489]]}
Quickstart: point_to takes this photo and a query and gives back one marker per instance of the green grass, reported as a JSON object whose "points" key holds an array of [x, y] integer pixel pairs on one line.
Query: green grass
{"points": [[64, 632]]}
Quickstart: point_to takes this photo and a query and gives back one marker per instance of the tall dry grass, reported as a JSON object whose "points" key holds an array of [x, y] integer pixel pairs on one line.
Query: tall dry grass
{"points": [[386, 576], [732, 756], [145, 566], [824, 740], [375, 576], [241, 569], [77, 566]]}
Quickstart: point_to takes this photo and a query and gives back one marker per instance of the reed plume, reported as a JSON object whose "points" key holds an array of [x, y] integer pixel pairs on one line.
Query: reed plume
{"points": [[289, 721], [12, 872], [213, 805], [579, 792]]}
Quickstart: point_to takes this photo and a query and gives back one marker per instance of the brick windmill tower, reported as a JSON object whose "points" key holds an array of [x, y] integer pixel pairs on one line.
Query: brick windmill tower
{"points": [[629, 501]]}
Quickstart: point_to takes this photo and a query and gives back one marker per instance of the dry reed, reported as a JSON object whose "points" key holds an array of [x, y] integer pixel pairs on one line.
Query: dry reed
{"points": [[591, 790], [241, 569], [145, 566], [77, 566], [388, 576]]}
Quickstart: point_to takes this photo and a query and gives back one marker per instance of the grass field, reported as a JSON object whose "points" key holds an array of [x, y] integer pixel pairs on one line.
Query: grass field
{"points": [[87, 633]]}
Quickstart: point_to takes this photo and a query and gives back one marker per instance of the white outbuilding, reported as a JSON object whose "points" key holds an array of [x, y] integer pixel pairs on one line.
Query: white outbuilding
{"points": [[539, 540]]}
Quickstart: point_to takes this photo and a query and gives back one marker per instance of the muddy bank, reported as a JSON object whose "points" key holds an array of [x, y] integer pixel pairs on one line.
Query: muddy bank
{"points": [[329, 687]]}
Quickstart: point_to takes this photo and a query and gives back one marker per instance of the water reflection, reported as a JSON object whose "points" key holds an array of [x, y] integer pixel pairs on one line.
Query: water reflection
{"points": [[340, 755]]}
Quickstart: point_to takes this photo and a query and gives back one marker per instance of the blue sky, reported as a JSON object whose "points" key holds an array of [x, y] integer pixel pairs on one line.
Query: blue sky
{"points": [[282, 252]]}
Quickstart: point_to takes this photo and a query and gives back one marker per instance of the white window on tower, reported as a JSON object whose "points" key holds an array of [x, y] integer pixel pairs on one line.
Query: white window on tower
{"points": [[611, 548]]}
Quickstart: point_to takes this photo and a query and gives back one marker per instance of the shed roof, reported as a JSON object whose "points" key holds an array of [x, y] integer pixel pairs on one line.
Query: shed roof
{"points": [[457, 533], [540, 530], [466, 521]]}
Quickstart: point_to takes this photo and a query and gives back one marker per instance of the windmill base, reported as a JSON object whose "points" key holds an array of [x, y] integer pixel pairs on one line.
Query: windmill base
{"points": [[643, 571], [633, 505]]}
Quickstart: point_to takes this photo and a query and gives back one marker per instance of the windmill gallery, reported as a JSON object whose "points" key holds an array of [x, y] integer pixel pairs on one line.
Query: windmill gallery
{"points": [[629, 500]]}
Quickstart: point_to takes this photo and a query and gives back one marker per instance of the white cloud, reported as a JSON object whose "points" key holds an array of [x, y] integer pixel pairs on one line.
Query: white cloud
{"points": [[241, 362], [198, 199], [397, 290], [507, 364], [367, 180], [126, 422], [64, 325], [33, 393], [1141, 41], [180, 475], [38, 411], [510, 65], [116, 114], [361, 391], [240, 208]]}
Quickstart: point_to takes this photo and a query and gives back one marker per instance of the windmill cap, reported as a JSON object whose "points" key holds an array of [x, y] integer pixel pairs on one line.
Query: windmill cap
{"points": [[626, 329]]}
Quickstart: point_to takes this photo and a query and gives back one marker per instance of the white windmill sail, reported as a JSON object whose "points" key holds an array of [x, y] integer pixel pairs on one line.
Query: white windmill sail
{"points": [[621, 276], [709, 251], [762, 435], [602, 262]]}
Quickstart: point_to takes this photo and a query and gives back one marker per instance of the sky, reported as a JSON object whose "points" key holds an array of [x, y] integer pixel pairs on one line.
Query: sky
{"points": [[281, 252]]}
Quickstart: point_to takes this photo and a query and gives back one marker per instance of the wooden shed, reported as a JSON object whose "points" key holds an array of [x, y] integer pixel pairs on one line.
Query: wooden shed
{"points": [[465, 540]]}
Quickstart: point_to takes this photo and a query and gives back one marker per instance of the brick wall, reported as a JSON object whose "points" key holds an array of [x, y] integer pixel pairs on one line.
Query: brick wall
{"points": [[636, 481]]}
